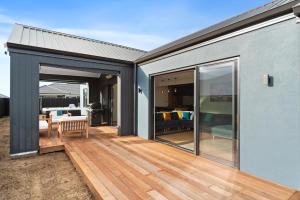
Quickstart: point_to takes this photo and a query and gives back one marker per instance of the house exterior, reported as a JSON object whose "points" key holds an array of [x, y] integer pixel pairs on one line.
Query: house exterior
{"points": [[251, 63], [60, 90]]}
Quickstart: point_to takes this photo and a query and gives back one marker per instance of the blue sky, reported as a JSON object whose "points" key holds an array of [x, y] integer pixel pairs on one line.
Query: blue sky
{"points": [[140, 24]]}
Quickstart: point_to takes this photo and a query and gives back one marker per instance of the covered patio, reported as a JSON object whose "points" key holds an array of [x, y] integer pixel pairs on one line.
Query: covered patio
{"points": [[39, 54]]}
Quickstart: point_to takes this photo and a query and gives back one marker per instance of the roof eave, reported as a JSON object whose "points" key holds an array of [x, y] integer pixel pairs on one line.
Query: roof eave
{"points": [[66, 53], [296, 10], [282, 10]]}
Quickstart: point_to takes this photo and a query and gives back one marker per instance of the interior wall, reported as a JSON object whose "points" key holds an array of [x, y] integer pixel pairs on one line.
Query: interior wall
{"points": [[161, 96], [269, 116]]}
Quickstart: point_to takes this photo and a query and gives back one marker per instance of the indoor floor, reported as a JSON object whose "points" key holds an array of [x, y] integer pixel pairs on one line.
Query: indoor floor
{"points": [[209, 144]]}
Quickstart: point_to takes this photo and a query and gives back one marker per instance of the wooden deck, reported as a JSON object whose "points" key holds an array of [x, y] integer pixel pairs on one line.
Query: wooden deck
{"points": [[133, 168]]}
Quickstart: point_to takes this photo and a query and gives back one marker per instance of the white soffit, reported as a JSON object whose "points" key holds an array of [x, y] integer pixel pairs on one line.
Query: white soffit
{"points": [[67, 72]]}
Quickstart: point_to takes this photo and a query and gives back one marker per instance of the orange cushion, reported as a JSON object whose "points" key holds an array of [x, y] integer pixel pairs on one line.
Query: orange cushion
{"points": [[180, 115], [167, 116]]}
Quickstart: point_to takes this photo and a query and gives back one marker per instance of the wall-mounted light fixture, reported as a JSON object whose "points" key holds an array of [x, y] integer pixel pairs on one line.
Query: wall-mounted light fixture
{"points": [[140, 90], [268, 80]]}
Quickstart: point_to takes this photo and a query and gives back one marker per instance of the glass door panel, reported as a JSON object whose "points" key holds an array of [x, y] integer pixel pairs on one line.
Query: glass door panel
{"points": [[217, 121], [174, 109]]}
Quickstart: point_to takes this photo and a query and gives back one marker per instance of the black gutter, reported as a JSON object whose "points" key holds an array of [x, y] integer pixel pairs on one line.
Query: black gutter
{"points": [[273, 13]]}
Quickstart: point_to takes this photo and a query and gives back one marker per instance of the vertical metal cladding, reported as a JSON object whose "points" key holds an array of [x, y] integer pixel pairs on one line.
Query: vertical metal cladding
{"points": [[25, 92], [24, 103]]}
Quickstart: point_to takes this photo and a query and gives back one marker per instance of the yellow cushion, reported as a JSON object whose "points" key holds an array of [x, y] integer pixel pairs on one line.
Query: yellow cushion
{"points": [[167, 116], [180, 115]]}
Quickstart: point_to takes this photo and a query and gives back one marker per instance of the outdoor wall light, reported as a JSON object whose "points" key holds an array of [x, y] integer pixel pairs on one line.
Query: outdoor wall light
{"points": [[140, 90], [268, 80]]}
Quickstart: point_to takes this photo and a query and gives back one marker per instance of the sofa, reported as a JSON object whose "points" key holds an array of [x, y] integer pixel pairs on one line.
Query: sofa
{"points": [[212, 123], [173, 120]]}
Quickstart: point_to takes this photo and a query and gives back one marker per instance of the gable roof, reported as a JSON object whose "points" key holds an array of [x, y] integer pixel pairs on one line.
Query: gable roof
{"points": [[33, 38], [61, 89], [254, 16]]}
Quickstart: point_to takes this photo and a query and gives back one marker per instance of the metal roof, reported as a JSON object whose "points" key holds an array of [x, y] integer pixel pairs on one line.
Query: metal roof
{"points": [[60, 88], [259, 14], [2, 96], [33, 38]]}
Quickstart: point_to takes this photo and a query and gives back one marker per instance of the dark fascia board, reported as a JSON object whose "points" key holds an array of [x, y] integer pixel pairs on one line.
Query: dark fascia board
{"points": [[296, 10], [65, 53], [282, 10]]}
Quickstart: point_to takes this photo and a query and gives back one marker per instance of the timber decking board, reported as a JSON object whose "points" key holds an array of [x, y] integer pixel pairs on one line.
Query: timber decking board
{"points": [[133, 168]]}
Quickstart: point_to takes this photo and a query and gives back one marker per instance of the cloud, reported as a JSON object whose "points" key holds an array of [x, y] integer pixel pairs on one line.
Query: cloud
{"points": [[136, 40], [6, 19], [131, 39]]}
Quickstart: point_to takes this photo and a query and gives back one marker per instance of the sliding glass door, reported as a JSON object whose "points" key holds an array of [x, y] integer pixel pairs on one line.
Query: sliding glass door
{"points": [[196, 110], [218, 112]]}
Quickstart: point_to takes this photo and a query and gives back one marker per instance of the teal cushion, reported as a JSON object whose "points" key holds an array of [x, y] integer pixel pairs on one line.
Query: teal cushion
{"points": [[185, 115], [59, 113], [207, 117]]}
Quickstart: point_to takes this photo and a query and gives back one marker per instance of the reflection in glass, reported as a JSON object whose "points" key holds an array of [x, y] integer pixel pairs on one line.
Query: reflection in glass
{"points": [[217, 111]]}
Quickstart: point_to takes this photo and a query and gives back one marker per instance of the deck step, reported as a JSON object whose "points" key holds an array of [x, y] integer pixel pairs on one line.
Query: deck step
{"points": [[95, 185], [49, 149]]}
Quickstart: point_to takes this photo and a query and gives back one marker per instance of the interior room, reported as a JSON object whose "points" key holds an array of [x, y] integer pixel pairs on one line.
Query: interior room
{"points": [[75, 95], [174, 108], [175, 115]]}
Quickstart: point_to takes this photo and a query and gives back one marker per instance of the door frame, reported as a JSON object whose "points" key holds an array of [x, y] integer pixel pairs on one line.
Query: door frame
{"points": [[196, 68], [152, 106], [235, 109]]}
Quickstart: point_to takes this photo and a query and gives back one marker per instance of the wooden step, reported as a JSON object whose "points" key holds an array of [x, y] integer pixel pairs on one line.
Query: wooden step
{"points": [[49, 149], [95, 185]]}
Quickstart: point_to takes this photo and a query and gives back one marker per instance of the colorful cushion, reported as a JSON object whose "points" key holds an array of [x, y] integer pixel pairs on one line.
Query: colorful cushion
{"points": [[167, 116], [59, 113], [185, 115], [179, 115]]}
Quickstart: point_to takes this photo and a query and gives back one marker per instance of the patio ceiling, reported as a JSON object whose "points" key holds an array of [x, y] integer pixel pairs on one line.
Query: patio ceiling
{"points": [[49, 70]]}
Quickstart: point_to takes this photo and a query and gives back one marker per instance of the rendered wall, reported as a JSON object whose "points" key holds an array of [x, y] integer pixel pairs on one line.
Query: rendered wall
{"points": [[269, 116]]}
